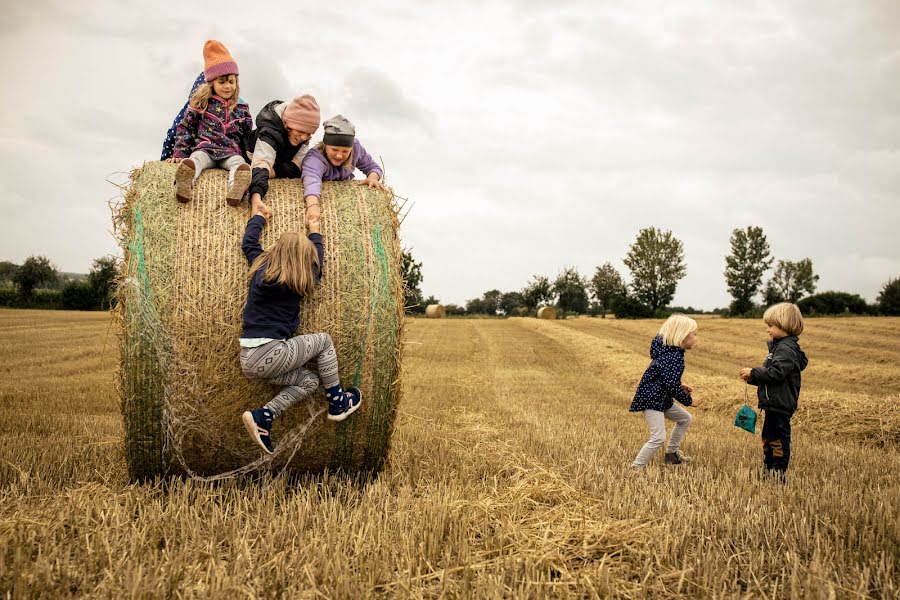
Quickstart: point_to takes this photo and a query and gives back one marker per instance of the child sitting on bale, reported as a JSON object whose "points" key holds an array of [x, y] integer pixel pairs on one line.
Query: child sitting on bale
{"points": [[215, 126], [661, 385], [336, 158], [279, 278]]}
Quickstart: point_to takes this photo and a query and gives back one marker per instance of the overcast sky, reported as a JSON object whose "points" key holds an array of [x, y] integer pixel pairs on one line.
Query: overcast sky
{"points": [[529, 135]]}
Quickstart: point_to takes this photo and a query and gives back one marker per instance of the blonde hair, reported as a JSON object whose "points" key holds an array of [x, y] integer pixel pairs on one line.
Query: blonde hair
{"points": [[291, 261], [676, 328], [786, 317], [200, 98], [347, 163]]}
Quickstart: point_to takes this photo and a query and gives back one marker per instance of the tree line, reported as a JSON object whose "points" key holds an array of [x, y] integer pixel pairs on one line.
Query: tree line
{"points": [[656, 264], [37, 283]]}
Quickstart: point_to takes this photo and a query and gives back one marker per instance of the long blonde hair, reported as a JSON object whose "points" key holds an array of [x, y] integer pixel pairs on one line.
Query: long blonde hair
{"points": [[291, 261], [347, 163], [200, 98]]}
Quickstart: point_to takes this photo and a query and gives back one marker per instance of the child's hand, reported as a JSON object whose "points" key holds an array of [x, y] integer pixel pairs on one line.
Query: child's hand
{"points": [[695, 401], [258, 207], [313, 213], [745, 373], [687, 388], [314, 226], [373, 182]]}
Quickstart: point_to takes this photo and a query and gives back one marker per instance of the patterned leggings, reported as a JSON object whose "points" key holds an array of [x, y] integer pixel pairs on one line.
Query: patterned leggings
{"points": [[282, 363]]}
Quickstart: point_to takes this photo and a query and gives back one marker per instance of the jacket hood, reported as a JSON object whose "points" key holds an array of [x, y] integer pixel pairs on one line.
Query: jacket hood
{"points": [[657, 348], [792, 342]]}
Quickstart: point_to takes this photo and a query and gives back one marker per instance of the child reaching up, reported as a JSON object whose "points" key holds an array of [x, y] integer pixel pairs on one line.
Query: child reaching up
{"points": [[778, 383], [279, 278], [336, 158], [215, 126], [661, 385]]}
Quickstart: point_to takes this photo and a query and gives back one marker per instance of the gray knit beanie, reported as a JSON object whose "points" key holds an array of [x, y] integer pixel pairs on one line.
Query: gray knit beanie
{"points": [[339, 131]]}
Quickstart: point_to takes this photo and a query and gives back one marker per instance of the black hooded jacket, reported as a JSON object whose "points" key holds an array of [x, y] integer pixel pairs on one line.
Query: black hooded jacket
{"points": [[270, 129], [778, 380]]}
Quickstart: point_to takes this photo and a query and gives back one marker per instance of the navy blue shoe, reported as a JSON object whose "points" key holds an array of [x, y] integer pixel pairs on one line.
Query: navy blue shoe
{"points": [[259, 425], [344, 404]]}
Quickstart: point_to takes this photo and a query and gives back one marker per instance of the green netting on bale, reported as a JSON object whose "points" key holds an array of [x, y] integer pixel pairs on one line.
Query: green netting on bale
{"points": [[182, 290]]}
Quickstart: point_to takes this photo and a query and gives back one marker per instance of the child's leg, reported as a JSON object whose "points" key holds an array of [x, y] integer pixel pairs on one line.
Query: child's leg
{"points": [[202, 161], [767, 436], [682, 420], [298, 384], [280, 357], [238, 178], [657, 425], [780, 441]]}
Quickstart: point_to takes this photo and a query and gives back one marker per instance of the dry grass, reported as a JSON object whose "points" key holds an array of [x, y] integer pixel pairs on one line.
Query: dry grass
{"points": [[507, 478]]}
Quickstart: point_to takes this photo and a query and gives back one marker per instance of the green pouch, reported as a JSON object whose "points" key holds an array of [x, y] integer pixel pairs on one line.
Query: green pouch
{"points": [[746, 419]]}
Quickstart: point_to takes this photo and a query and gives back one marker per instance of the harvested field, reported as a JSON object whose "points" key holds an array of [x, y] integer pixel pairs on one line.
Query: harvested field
{"points": [[506, 478]]}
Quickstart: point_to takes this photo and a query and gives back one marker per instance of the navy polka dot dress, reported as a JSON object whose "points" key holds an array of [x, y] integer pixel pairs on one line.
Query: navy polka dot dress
{"points": [[661, 382]]}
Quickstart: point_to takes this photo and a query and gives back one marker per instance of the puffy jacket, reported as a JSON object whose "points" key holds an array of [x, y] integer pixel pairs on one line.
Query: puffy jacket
{"points": [[270, 141], [660, 385], [218, 132], [778, 380]]}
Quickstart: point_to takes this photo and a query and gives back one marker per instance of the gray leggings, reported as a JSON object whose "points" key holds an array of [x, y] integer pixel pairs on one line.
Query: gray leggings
{"points": [[657, 425], [203, 161], [281, 363]]}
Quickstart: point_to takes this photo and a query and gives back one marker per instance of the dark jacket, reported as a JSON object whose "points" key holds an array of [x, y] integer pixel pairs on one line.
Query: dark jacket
{"points": [[273, 309], [778, 380], [661, 382], [270, 130], [218, 132]]}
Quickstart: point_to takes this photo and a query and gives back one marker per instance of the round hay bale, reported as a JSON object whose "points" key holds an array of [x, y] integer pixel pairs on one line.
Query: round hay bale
{"points": [[181, 295], [435, 311], [546, 312]]}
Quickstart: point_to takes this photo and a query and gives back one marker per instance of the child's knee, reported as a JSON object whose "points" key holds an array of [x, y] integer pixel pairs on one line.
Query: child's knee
{"points": [[657, 439], [687, 420]]}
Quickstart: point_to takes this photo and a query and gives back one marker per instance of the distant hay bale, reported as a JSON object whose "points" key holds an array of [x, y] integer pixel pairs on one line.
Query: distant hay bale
{"points": [[435, 311], [546, 312], [181, 293]]}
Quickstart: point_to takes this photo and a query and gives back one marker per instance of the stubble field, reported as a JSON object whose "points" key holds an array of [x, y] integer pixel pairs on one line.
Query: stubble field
{"points": [[507, 477]]}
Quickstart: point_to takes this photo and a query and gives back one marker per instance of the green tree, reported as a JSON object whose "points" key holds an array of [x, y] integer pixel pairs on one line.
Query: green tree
{"points": [[790, 281], [102, 281], [656, 261], [7, 273], [36, 271], [606, 284], [745, 266], [511, 302], [411, 271], [491, 301], [571, 290], [538, 292], [889, 298]]}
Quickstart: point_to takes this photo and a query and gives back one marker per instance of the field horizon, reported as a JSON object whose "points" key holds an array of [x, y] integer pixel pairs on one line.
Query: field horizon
{"points": [[507, 476]]}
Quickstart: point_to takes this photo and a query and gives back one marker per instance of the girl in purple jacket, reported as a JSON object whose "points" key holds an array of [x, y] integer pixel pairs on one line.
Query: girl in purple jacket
{"points": [[214, 128], [336, 158]]}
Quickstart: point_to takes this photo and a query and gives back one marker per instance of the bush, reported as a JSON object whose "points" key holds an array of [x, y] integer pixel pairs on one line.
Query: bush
{"points": [[889, 298], [627, 306], [10, 298], [833, 303], [79, 296]]}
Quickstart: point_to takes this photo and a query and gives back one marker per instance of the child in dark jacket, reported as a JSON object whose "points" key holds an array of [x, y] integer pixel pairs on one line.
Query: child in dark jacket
{"points": [[214, 128], [778, 383], [279, 278], [336, 158], [660, 386]]}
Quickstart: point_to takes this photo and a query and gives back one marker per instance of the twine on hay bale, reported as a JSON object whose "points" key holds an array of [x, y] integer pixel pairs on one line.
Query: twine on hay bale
{"points": [[181, 292], [435, 311], [546, 312]]}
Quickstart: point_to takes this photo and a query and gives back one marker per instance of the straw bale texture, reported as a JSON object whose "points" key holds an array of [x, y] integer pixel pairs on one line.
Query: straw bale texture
{"points": [[435, 311], [181, 292], [546, 312]]}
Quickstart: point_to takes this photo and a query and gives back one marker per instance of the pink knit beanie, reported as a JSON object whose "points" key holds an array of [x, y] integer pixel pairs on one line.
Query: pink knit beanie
{"points": [[217, 61], [302, 113]]}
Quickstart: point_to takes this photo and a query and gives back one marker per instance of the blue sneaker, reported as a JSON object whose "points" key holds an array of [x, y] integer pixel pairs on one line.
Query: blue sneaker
{"points": [[259, 425], [344, 404]]}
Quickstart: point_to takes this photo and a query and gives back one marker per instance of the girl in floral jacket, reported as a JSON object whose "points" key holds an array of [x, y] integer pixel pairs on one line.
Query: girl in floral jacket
{"points": [[215, 126]]}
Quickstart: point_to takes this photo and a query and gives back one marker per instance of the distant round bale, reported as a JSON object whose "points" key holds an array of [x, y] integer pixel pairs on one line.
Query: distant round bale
{"points": [[181, 294], [546, 312], [435, 311]]}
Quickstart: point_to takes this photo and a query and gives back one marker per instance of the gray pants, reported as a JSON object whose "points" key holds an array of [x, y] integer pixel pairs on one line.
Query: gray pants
{"points": [[282, 363], [657, 424], [203, 161]]}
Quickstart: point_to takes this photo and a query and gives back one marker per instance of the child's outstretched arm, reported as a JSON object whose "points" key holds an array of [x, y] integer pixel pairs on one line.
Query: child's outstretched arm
{"points": [[315, 237], [367, 165], [671, 372], [250, 244], [186, 134], [782, 363]]}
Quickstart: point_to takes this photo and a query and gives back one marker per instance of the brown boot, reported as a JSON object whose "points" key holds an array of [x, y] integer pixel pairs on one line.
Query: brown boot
{"points": [[184, 180], [239, 186]]}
